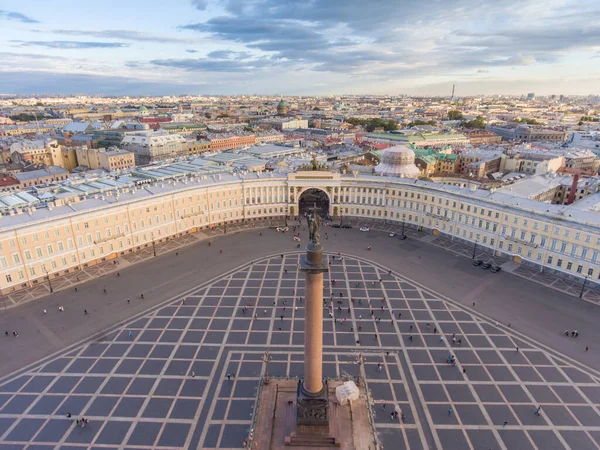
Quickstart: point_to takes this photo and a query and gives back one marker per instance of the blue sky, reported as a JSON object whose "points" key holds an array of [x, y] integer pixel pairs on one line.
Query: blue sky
{"points": [[299, 47]]}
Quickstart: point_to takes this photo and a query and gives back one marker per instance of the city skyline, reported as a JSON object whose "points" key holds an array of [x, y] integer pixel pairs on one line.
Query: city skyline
{"points": [[299, 48]]}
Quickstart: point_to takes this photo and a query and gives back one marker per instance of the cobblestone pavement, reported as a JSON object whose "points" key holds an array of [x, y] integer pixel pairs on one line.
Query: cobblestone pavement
{"points": [[187, 375]]}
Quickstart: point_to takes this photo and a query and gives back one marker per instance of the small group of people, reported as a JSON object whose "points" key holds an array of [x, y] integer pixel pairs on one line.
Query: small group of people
{"points": [[14, 333], [80, 422], [394, 415], [456, 341], [573, 333], [451, 359]]}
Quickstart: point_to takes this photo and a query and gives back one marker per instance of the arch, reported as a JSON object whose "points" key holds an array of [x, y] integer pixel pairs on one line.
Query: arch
{"points": [[311, 196]]}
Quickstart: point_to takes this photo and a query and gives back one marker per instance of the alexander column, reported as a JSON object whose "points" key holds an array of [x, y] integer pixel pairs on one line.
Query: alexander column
{"points": [[312, 392]]}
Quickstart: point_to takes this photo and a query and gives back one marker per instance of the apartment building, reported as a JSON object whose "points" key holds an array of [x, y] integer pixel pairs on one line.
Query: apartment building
{"points": [[227, 141], [101, 158], [150, 146]]}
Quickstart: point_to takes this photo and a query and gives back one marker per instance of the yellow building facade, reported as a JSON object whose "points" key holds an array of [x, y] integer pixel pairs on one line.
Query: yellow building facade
{"points": [[84, 231]]}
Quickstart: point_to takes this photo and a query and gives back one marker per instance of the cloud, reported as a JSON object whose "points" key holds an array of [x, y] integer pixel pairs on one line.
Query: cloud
{"points": [[189, 50], [483, 71], [228, 54], [11, 15], [127, 35], [32, 82], [338, 36], [200, 4], [215, 65], [70, 45]]}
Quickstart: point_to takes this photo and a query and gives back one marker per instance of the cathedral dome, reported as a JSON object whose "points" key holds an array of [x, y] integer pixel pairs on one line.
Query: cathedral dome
{"points": [[282, 107], [398, 161]]}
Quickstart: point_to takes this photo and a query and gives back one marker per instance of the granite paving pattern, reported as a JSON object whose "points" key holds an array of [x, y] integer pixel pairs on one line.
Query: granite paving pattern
{"points": [[185, 374]]}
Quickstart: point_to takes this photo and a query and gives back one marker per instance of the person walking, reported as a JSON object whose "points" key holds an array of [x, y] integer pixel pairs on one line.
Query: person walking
{"points": [[85, 313], [130, 335], [538, 411], [449, 410], [505, 423]]}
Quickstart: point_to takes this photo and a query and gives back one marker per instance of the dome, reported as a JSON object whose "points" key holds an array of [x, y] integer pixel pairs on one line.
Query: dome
{"points": [[282, 107], [398, 161]]}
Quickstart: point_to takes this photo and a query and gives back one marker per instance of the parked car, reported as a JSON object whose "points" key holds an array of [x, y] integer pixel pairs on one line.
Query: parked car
{"points": [[496, 269], [335, 225], [486, 266], [477, 262], [402, 237], [282, 229], [392, 234], [364, 228], [348, 227]]}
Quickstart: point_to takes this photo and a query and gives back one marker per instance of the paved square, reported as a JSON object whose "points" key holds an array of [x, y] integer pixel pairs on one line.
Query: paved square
{"points": [[189, 374]]}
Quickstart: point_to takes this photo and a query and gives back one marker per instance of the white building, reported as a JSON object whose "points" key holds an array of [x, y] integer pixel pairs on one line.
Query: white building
{"points": [[150, 146]]}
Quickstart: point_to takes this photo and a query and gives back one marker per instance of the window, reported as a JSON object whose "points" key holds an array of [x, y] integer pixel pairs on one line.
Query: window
{"points": [[549, 259], [569, 265], [3, 262], [579, 268], [590, 272], [38, 252], [8, 278], [559, 263]]}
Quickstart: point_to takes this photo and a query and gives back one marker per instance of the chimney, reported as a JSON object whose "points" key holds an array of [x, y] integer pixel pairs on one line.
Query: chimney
{"points": [[573, 190]]}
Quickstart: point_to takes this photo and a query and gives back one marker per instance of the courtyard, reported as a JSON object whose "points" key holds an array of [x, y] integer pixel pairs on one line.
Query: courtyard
{"points": [[187, 375]]}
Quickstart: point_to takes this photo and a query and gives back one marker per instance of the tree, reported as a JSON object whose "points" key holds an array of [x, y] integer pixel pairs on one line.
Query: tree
{"points": [[418, 122], [371, 124], [455, 114], [208, 115], [478, 122]]}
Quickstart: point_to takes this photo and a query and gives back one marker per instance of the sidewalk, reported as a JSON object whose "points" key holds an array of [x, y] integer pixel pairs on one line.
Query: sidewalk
{"points": [[557, 283], [73, 279]]}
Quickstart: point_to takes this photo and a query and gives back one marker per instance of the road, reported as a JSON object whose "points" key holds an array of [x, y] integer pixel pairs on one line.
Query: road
{"points": [[540, 313]]}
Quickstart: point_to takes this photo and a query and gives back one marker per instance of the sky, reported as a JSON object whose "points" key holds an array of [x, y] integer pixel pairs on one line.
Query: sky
{"points": [[299, 47]]}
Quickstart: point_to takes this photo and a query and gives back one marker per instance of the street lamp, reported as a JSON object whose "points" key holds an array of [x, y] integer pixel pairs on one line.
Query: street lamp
{"points": [[153, 247], [266, 358], [403, 227], [474, 248], [52, 290], [583, 287]]}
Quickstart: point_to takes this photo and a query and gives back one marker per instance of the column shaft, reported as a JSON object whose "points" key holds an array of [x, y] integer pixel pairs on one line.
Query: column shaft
{"points": [[313, 333]]}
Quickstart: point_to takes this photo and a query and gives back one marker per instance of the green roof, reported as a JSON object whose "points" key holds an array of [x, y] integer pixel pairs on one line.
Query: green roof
{"points": [[394, 137], [428, 159], [416, 137], [447, 157]]}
